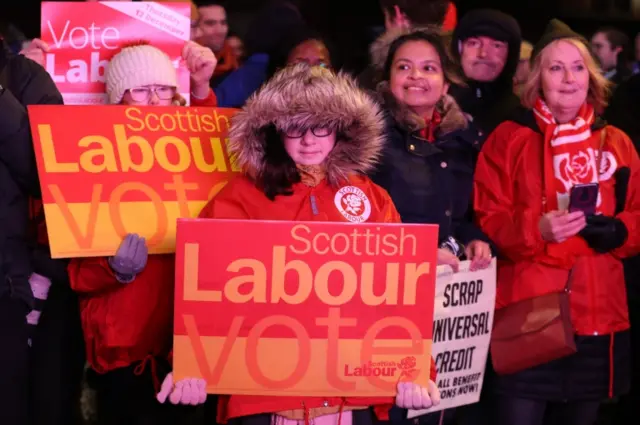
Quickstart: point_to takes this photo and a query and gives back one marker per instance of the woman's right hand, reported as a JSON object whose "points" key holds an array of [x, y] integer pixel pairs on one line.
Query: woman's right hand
{"points": [[448, 258], [130, 259], [558, 226], [186, 391]]}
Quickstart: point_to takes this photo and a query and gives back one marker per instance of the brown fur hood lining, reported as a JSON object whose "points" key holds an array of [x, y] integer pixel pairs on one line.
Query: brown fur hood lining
{"points": [[304, 97], [452, 117]]}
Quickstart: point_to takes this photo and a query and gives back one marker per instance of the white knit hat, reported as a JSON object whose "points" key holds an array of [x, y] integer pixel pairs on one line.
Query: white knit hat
{"points": [[137, 66]]}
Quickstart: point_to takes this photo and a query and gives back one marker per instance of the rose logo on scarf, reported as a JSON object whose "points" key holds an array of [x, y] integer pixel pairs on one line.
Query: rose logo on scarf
{"points": [[578, 169], [353, 204]]}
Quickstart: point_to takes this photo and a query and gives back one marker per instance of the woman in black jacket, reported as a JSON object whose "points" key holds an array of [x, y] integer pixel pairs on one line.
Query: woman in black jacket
{"points": [[431, 150]]}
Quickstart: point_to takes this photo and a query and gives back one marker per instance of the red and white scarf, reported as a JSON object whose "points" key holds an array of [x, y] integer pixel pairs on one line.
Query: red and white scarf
{"points": [[570, 154]]}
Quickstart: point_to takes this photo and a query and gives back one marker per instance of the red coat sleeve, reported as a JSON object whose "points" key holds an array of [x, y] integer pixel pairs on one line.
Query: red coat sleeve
{"points": [[389, 211], [631, 214], [91, 275], [227, 204], [513, 229], [210, 100]]}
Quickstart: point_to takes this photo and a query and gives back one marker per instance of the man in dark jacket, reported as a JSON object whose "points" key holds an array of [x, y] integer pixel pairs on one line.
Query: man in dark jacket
{"points": [[22, 82], [487, 44]]}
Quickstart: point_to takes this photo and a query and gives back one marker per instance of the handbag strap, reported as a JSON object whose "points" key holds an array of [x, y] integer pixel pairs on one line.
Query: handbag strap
{"points": [[603, 137]]}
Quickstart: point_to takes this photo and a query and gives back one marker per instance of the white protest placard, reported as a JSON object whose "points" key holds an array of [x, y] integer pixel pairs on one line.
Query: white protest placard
{"points": [[462, 323]]}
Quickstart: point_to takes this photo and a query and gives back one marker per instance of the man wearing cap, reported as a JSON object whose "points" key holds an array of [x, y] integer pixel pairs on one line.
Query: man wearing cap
{"points": [[487, 44]]}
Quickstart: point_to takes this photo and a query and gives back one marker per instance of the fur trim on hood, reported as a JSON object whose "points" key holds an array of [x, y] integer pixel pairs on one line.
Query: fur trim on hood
{"points": [[305, 97], [452, 117]]}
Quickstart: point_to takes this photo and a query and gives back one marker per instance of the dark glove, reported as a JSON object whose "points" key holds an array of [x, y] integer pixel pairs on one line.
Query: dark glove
{"points": [[130, 259], [621, 177], [604, 234]]}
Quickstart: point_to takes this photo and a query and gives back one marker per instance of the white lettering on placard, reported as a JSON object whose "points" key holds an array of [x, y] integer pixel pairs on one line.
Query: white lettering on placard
{"points": [[79, 37], [462, 323], [79, 71]]}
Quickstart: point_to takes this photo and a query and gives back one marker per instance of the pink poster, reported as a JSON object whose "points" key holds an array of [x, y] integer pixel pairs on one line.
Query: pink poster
{"points": [[83, 37]]}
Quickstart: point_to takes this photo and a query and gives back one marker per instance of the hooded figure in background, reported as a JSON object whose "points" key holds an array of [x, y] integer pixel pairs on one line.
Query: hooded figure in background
{"points": [[487, 44]]}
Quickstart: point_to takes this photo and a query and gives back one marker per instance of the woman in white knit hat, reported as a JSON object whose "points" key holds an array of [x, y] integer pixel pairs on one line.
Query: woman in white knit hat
{"points": [[141, 74], [127, 300]]}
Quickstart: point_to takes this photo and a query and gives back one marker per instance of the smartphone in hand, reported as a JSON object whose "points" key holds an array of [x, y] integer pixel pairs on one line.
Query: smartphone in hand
{"points": [[584, 197]]}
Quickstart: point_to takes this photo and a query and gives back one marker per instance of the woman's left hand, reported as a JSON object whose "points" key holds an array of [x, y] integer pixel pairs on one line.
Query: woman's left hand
{"points": [[479, 253], [201, 63], [413, 396]]}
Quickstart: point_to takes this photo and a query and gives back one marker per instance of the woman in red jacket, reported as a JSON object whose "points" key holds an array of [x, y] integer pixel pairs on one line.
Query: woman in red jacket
{"points": [[523, 183], [303, 139], [126, 302]]}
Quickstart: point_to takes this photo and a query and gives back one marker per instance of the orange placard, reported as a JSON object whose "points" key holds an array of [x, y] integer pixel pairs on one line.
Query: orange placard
{"points": [[106, 171], [304, 308]]}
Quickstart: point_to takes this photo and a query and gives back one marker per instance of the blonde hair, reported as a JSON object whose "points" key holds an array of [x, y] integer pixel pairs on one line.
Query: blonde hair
{"points": [[599, 86]]}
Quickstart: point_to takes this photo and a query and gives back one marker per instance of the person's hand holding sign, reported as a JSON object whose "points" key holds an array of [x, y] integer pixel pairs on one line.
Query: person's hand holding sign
{"points": [[130, 259], [446, 257], [479, 252], [201, 63], [35, 51], [190, 391], [413, 396]]}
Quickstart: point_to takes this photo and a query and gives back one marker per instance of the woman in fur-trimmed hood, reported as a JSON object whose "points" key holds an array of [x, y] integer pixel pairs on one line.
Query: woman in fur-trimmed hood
{"points": [[305, 142], [428, 162]]}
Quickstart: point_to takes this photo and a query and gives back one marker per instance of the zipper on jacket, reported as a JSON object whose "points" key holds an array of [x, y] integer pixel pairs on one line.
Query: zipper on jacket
{"points": [[314, 204]]}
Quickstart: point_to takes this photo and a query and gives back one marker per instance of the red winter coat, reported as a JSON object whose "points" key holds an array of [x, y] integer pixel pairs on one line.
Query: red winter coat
{"points": [[124, 323]]}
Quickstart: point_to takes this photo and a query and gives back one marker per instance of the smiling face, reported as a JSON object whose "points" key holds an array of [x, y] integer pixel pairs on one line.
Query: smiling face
{"points": [[564, 79], [416, 78]]}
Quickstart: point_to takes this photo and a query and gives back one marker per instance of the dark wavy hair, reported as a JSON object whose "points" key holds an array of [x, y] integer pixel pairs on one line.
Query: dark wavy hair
{"points": [[279, 173], [432, 36]]}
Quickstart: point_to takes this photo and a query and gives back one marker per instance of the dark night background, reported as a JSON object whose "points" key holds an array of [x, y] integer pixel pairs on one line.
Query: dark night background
{"points": [[349, 21]]}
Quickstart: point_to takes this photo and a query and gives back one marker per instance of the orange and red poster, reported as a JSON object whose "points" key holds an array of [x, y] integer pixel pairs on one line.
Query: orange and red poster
{"points": [[106, 171], [304, 308], [83, 36]]}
